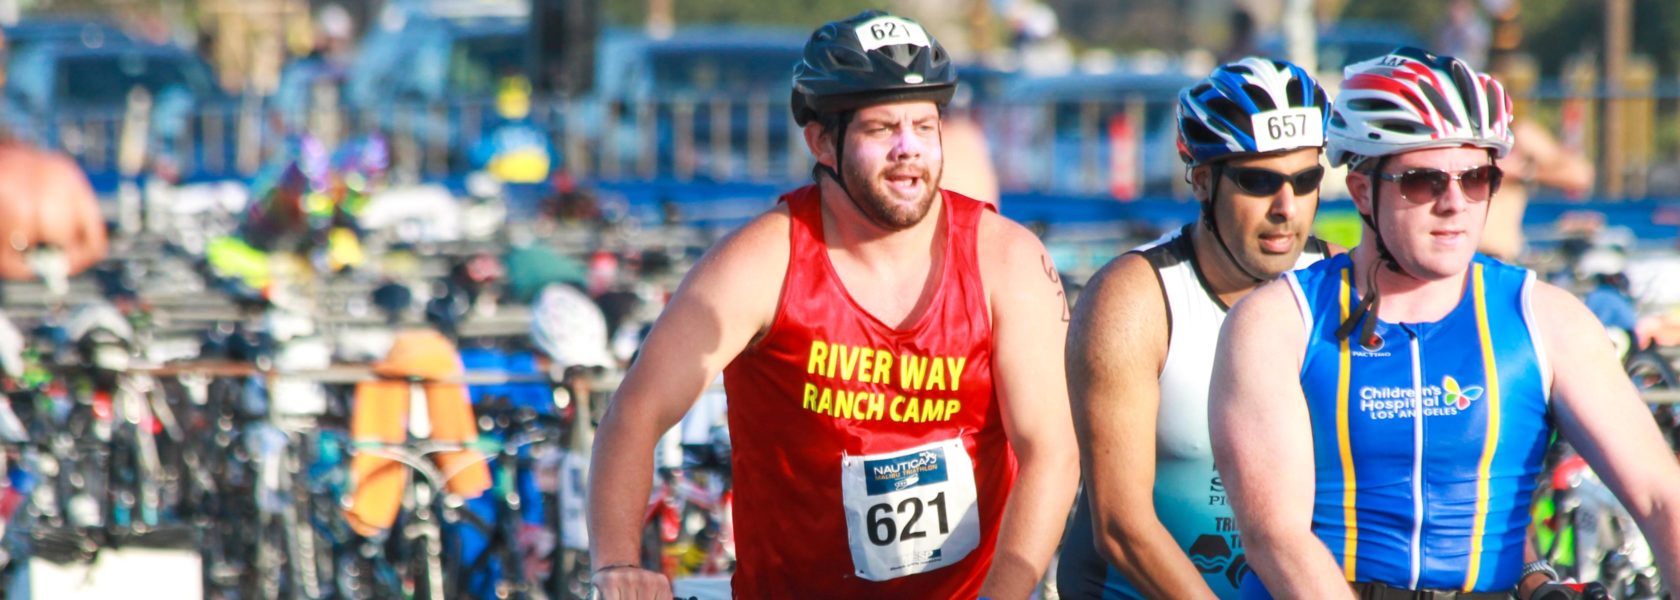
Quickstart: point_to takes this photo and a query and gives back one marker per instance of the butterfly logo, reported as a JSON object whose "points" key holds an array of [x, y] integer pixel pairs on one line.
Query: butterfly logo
{"points": [[1460, 397]]}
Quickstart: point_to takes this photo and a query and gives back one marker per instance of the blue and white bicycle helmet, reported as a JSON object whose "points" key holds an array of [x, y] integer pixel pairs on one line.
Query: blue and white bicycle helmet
{"points": [[1251, 106], [1227, 112]]}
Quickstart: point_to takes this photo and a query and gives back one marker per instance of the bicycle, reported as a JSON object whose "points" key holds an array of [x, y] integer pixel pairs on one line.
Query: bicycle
{"points": [[416, 558]]}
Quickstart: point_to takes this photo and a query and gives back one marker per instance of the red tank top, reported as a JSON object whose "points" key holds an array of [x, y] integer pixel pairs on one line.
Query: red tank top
{"points": [[831, 390]]}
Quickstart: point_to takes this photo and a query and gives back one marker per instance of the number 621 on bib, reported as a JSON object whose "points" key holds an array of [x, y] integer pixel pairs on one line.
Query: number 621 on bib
{"points": [[910, 511]]}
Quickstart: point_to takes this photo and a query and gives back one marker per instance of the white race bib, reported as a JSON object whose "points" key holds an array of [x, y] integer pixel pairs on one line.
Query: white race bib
{"points": [[888, 31], [1288, 128], [910, 511]]}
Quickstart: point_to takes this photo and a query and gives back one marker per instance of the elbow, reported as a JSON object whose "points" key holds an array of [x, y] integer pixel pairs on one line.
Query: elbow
{"points": [[1118, 539], [1265, 540], [1658, 504], [1054, 457]]}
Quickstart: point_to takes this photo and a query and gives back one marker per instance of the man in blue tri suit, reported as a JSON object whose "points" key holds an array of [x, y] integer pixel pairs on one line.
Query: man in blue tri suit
{"points": [[1379, 418], [1153, 521]]}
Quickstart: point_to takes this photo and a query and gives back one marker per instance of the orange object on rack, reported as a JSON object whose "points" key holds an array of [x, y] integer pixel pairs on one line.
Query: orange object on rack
{"points": [[381, 414]]}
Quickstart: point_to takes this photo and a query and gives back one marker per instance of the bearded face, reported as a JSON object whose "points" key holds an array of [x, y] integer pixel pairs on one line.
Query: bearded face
{"points": [[893, 162]]}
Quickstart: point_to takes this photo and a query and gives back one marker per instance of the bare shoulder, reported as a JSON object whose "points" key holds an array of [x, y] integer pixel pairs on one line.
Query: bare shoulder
{"points": [[1272, 311], [1548, 299], [1122, 308], [1003, 241], [1012, 259], [745, 270], [1127, 279], [1563, 320], [761, 247]]}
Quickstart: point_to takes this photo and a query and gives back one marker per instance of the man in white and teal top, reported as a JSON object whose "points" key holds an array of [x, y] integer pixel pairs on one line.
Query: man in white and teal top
{"points": [[1153, 521]]}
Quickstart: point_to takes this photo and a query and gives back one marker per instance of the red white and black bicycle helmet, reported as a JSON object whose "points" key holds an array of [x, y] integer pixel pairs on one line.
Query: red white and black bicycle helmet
{"points": [[1411, 99]]}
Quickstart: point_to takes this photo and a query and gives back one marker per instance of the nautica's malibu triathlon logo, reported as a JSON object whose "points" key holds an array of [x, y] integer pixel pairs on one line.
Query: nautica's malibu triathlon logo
{"points": [[1449, 398]]}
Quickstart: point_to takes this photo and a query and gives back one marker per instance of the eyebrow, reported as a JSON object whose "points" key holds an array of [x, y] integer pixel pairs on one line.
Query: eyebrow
{"points": [[887, 121]]}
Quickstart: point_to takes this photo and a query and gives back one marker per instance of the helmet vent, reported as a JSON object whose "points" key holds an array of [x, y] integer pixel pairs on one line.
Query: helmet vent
{"points": [[1258, 95], [1404, 127], [1198, 133], [847, 58], [1370, 104], [1229, 112], [1441, 106]]}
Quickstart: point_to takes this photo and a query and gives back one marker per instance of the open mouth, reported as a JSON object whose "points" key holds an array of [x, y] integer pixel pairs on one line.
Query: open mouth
{"points": [[905, 183]]}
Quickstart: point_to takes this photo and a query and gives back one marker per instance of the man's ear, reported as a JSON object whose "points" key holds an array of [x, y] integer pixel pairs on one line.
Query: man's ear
{"points": [[1201, 182], [821, 144], [1360, 187]]}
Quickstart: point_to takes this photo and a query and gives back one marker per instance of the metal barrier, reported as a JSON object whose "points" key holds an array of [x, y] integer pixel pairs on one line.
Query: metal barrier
{"points": [[1120, 147]]}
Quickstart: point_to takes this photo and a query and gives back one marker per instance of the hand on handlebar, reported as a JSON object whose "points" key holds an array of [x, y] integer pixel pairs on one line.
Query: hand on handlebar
{"points": [[629, 582], [1554, 590]]}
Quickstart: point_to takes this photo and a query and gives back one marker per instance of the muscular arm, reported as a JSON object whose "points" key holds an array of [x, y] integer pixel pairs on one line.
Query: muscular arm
{"points": [[1599, 412], [1116, 348], [1262, 441], [727, 299], [1029, 327]]}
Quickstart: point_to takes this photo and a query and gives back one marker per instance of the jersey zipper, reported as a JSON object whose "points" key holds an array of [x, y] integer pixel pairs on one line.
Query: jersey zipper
{"points": [[1417, 457]]}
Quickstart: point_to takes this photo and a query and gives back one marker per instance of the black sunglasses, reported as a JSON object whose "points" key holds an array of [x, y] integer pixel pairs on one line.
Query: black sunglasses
{"points": [[1265, 182], [1428, 185]]}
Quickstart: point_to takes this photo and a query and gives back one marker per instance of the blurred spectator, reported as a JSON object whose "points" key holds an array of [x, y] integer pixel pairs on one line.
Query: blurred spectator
{"points": [[1465, 34], [45, 202], [1537, 159], [335, 33], [326, 62], [1241, 42], [968, 158], [1034, 28]]}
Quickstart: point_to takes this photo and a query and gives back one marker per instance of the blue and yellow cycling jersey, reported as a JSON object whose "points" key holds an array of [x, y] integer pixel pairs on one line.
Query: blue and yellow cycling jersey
{"points": [[1427, 442]]}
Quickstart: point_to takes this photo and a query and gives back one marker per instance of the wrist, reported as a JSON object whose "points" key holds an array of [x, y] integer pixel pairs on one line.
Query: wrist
{"points": [[614, 566]]}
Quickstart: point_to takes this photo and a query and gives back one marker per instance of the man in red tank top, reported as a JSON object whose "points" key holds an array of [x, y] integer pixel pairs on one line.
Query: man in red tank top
{"points": [[892, 354]]}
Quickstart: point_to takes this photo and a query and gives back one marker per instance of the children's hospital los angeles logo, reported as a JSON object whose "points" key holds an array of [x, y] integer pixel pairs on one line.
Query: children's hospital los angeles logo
{"points": [[1460, 397], [1391, 402]]}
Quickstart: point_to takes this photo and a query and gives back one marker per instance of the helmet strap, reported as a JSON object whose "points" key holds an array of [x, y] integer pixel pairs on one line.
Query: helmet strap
{"points": [[1372, 300], [1212, 223], [1364, 315], [1383, 254], [841, 124]]}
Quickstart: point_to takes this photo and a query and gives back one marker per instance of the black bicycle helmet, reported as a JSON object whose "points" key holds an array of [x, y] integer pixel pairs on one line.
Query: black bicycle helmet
{"points": [[871, 58]]}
